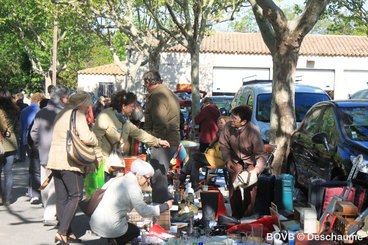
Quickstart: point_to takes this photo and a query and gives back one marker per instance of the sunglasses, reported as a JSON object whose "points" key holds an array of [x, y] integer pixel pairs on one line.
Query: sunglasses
{"points": [[235, 119], [148, 179]]}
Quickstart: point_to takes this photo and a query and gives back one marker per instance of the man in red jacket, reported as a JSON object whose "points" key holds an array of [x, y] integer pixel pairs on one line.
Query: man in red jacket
{"points": [[207, 120]]}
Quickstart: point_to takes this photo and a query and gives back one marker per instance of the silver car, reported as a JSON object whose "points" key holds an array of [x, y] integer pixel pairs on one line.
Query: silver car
{"points": [[258, 95]]}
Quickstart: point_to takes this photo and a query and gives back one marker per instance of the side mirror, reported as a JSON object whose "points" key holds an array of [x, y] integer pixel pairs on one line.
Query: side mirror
{"points": [[321, 138]]}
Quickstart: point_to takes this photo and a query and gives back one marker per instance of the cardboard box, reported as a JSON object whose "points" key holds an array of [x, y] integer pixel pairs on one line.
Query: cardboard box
{"points": [[163, 220], [181, 86]]}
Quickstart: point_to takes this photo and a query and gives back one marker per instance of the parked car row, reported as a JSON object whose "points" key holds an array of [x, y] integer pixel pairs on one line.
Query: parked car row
{"points": [[329, 133]]}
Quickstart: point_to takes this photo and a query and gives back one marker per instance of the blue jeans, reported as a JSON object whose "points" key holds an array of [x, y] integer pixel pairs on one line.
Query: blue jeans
{"points": [[34, 172], [6, 164]]}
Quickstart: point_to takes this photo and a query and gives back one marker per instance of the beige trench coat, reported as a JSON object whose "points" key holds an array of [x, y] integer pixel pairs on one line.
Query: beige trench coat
{"points": [[58, 158]]}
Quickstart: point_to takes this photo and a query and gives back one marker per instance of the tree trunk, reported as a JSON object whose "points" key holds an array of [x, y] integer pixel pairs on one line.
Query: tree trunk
{"points": [[194, 73], [48, 81], [154, 61], [283, 104]]}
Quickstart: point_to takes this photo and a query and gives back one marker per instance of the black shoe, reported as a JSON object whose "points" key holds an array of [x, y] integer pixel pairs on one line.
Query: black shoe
{"points": [[59, 240], [74, 240], [223, 219]]}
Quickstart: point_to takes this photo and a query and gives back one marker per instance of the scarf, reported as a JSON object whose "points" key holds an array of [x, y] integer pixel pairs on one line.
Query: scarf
{"points": [[120, 117]]}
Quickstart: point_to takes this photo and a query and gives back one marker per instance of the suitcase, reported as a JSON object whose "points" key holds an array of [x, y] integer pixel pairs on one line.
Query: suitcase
{"points": [[316, 192], [361, 194], [283, 192], [264, 197], [331, 191]]}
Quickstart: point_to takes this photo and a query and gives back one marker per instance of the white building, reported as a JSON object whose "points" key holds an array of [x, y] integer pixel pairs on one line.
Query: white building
{"points": [[335, 63]]}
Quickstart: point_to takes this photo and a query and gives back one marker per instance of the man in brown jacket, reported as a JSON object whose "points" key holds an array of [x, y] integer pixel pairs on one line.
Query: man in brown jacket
{"points": [[162, 120], [242, 148]]}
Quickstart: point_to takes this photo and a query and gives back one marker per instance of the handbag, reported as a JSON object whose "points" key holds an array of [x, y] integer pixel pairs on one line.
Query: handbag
{"points": [[89, 204], [46, 182], [245, 179], [2, 150], [115, 159], [78, 152], [214, 157]]}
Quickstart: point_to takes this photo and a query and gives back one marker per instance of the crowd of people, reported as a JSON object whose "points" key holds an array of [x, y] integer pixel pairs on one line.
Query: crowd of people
{"points": [[39, 131]]}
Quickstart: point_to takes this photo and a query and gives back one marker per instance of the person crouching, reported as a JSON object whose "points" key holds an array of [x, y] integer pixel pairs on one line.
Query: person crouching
{"points": [[123, 193]]}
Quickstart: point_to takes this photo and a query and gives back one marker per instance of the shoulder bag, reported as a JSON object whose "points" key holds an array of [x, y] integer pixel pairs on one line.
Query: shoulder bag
{"points": [[2, 150], [78, 152], [89, 204]]}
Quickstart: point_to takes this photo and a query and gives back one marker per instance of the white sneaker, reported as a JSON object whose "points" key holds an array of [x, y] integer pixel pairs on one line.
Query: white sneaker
{"points": [[34, 200], [362, 233]]}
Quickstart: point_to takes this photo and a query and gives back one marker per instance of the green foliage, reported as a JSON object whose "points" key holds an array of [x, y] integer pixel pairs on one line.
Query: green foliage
{"points": [[26, 29], [120, 41], [344, 17]]}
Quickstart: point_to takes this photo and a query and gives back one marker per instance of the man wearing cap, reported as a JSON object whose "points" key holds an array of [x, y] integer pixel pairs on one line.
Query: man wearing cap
{"points": [[123, 193], [242, 149], [207, 120]]}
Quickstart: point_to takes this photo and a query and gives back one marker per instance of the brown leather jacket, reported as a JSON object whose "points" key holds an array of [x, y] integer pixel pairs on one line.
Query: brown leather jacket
{"points": [[243, 145]]}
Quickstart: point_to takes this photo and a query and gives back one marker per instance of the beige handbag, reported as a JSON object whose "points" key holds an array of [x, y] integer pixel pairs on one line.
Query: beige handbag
{"points": [[245, 179], [214, 157]]}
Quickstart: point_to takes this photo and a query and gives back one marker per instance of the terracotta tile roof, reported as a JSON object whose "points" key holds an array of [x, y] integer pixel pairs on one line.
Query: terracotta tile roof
{"points": [[109, 69], [252, 43]]}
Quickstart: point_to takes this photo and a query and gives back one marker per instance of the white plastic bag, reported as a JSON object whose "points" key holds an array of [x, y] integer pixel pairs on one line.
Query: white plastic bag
{"points": [[116, 159]]}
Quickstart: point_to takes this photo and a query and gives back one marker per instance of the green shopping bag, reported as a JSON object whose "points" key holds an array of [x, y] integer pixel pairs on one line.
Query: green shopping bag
{"points": [[94, 180]]}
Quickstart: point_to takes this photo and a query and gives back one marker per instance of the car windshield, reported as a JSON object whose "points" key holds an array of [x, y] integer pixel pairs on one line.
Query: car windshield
{"points": [[223, 102], [303, 101], [355, 122]]}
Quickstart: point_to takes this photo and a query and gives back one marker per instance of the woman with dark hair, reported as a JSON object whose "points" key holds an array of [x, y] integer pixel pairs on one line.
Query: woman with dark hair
{"points": [[113, 128], [9, 113]]}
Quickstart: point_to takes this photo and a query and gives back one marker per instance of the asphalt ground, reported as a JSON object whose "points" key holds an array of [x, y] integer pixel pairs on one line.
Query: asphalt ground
{"points": [[21, 222]]}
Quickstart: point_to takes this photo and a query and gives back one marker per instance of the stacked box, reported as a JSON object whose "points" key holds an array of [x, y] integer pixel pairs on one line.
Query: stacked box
{"points": [[283, 195]]}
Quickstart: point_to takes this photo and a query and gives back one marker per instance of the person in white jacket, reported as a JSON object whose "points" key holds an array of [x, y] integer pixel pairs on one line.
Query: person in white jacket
{"points": [[123, 193]]}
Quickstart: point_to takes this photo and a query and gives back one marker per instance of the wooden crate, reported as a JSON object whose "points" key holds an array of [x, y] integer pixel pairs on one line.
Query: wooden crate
{"points": [[134, 217], [341, 226], [163, 220]]}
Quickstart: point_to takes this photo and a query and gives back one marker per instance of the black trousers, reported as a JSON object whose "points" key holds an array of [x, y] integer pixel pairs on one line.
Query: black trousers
{"points": [[132, 232], [160, 161], [195, 162], [69, 191]]}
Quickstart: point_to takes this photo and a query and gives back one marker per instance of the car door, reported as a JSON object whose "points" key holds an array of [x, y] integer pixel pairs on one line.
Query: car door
{"points": [[302, 146], [323, 159]]}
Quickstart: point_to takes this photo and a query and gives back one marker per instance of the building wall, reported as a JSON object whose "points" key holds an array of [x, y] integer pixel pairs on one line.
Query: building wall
{"points": [[223, 72], [90, 82]]}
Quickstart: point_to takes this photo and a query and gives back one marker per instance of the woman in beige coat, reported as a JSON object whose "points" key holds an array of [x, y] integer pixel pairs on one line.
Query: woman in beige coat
{"points": [[113, 127], [69, 176]]}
